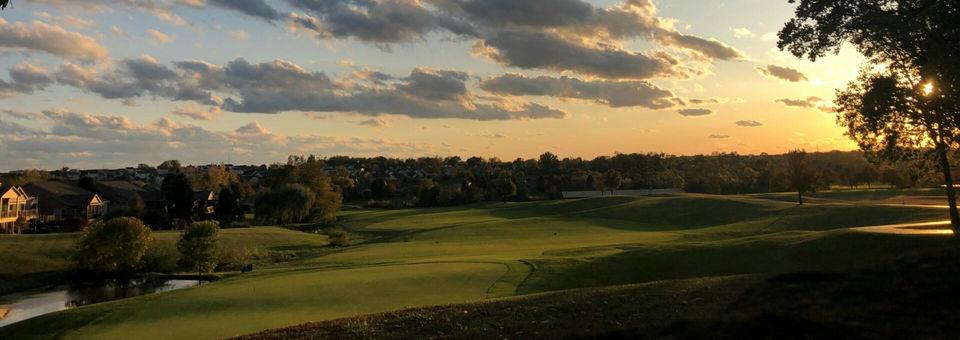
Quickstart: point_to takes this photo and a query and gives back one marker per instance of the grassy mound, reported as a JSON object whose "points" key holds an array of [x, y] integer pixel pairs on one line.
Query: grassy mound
{"points": [[914, 298]]}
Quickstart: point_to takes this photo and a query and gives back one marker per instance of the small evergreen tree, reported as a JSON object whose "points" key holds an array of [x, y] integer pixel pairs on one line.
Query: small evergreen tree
{"points": [[198, 247]]}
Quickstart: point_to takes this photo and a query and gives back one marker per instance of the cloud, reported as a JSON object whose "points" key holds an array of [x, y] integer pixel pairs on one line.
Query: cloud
{"points": [[742, 32], [715, 100], [539, 50], [254, 128], [610, 93], [279, 86], [196, 112], [488, 134], [131, 78], [160, 9], [559, 35], [376, 122], [239, 35], [317, 115], [718, 136], [581, 21], [695, 112], [117, 31], [369, 21], [31, 116], [527, 34], [52, 39], [113, 141], [782, 73], [25, 79], [67, 20], [827, 109], [255, 8], [749, 123], [809, 102], [707, 49], [159, 37]]}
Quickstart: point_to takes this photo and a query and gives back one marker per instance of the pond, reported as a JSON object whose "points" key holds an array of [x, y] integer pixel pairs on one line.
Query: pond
{"points": [[25, 305]]}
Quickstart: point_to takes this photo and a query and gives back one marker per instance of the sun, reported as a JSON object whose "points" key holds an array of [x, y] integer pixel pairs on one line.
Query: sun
{"points": [[928, 89]]}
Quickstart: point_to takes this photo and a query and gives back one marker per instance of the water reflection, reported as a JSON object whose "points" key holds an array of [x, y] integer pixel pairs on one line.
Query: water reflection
{"points": [[22, 306]]}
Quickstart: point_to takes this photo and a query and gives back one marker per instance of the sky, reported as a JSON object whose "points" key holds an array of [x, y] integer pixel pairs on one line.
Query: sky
{"points": [[112, 83]]}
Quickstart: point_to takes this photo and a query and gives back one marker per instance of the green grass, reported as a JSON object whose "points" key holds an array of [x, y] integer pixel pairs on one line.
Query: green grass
{"points": [[913, 297], [423, 257], [31, 261], [881, 195]]}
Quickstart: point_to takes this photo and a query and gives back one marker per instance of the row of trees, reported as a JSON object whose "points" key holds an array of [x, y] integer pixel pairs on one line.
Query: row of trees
{"points": [[452, 181], [120, 246]]}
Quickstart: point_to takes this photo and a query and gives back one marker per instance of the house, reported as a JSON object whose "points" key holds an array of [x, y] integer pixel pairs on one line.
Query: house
{"points": [[123, 195], [59, 201], [204, 202], [15, 204]]}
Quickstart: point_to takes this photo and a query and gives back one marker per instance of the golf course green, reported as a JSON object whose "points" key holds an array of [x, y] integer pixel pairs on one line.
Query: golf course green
{"points": [[426, 257]]}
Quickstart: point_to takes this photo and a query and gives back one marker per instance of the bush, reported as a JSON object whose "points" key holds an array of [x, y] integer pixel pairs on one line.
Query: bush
{"points": [[339, 238], [161, 258], [116, 246], [234, 258]]}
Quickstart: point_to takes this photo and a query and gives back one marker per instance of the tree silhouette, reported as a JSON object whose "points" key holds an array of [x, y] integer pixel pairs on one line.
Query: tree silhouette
{"points": [[906, 100], [800, 173]]}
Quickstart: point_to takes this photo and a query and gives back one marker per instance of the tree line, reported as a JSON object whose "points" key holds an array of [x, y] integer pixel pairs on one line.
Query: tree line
{"points": [[435, 181]]}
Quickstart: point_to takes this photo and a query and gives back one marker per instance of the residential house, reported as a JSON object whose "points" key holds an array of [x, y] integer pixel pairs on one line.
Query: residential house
{"points": [[59, 201], [124, 195], [204, 202], [14, 205]]}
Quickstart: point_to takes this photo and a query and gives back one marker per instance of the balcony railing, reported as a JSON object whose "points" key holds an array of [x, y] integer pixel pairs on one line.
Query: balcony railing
{"points": [[14, 214]]}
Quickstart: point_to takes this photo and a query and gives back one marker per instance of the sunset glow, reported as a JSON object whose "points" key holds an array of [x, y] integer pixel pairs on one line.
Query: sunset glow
{"points": [[712, 80]]}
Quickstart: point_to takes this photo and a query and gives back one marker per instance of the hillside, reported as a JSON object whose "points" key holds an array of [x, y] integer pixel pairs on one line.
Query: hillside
{"points": [[426, 257], [874, 303]]}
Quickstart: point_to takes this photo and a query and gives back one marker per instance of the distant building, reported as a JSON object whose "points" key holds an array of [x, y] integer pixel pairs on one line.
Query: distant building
{"points": [[204, 202], [15, 203], [58, 201]]}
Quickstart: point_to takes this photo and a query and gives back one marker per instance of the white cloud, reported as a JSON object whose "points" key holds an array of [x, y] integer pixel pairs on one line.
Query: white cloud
{"points": [[196, 112], [110, 141], [239, 35], [39, 36], [159, 37], [742, 32]]}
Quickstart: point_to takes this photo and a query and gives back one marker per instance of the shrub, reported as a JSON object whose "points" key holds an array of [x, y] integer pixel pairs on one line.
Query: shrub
{"points": [[161, 258], [339, 238], [115, 246]]}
